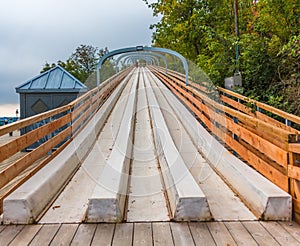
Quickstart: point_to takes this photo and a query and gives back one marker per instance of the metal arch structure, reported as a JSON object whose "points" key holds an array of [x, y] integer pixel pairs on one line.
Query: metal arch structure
{"points": [[148, 60], [140, 49], [145, 53], [135, 58], [142, 57]]}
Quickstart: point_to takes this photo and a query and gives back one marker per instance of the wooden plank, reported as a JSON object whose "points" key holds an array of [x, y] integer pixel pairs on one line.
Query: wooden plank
{"points": [[181, 234], [295, 148], [142, 234], [31, 120], [114, 79], [200, 87], [162, 235], [201, 234], [246, 119], [81, 109], [278, 142], [239, 233], [267, 107], [265, 168], [260, 234], [274, 122], [255, 161], [30, 173], [103, 235], [294, 172], [279, 233], [123, 234], [45, 235], [26, 235], [64, 235], [251, 121], [237, 105], [259, 164], [264, 146], [9, 233], [292, 228], [24, 162], [220, 233], [296, 202], [84, 234], [31, 137]]}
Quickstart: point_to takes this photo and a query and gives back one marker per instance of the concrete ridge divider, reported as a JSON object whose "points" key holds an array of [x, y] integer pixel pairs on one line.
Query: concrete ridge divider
{"points": [[187, 201], [25, 204], [265, 199], [107, 203]]}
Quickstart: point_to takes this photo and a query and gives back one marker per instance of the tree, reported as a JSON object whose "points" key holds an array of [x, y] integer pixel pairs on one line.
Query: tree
{"points": [[203, 31], [85, 57], [82, 63], [47, 67]]}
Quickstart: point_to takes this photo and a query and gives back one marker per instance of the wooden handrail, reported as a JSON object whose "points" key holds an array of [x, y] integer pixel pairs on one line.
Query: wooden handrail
{"points": [[73, 117], [275, 131], [284, 115], [32, 119], [292, 118], [266, 145]]}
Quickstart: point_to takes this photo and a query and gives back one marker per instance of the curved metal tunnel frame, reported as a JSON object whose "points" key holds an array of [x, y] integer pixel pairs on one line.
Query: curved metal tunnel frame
{"points": [[154, 55], [149, 59], [141, 49]]}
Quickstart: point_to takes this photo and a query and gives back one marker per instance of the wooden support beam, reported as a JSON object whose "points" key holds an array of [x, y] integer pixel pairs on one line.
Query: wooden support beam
{"points": [[31, 137], [256, 124], [284, 115], [29, 174], [294, 147], [294, 172], [24, 162], [31, 120]]}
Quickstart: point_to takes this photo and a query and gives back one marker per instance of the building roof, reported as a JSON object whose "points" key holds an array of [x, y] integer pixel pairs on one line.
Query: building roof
{"points": [[54, 80]]}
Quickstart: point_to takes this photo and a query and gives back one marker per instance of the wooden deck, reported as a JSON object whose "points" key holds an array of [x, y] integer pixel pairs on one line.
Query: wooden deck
{"points": [[155, 233]]}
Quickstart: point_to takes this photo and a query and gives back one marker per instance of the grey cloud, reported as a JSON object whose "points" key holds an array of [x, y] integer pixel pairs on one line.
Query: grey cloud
{"points": [[33, 32]]}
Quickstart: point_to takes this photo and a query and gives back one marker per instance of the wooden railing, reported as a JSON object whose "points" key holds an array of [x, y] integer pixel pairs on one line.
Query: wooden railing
{"points": [[246, 128], [56, 129]]}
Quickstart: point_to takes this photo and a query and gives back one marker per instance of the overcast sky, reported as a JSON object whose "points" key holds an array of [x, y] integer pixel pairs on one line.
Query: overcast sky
{"points": [[35, 31]]}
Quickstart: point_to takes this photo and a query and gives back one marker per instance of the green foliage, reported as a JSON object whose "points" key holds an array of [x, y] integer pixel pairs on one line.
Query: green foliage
{"points": [[204, 32], [82, 63]]}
